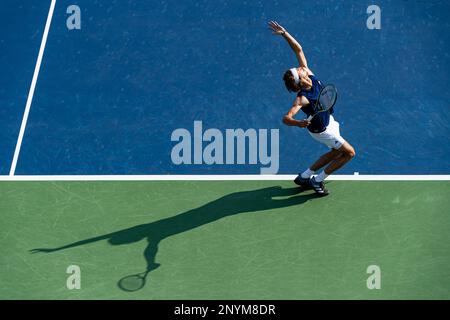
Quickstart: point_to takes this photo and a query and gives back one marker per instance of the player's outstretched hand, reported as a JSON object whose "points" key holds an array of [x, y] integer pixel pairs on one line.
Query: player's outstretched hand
{"points": [[276, 28], [303, 123]]}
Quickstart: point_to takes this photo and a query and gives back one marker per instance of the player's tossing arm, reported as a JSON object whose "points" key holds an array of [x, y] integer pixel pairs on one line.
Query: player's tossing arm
{"points": [[289, 120], [277, 29]]}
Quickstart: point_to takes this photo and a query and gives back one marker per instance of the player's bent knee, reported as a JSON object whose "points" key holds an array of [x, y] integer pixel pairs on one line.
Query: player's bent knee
{"points": [[351, 153], [348, 152]]}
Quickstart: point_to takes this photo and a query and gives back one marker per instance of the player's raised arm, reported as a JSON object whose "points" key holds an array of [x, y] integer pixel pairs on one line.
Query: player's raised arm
{"points": [[277, 29], [289, 120]]}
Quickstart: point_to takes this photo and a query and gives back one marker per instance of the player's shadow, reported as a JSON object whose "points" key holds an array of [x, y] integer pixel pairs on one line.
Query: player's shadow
{"points": [[234, 203]]}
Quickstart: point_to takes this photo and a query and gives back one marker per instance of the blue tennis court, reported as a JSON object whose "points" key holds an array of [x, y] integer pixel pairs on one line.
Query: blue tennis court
{"points": [[114, 95], [110, 94]]}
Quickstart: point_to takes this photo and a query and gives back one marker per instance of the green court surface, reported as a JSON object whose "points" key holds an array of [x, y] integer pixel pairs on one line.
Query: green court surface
{"points": [[225, 239]]}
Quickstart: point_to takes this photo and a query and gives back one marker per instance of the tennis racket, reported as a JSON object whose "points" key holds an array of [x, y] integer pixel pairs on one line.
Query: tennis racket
{"points": [[134, 282], [326, 100]]}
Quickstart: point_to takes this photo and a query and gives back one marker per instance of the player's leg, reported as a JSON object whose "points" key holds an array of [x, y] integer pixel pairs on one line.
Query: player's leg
{"points": [[347, 152], [303, 179], [325, 159], [333, 139]]}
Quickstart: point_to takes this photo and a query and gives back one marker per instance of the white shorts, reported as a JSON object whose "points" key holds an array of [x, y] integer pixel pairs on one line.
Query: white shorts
{"points": [[331, 137]]}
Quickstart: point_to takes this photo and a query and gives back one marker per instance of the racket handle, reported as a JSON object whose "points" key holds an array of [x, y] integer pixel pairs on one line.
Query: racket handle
{"points": [[309, 118]]}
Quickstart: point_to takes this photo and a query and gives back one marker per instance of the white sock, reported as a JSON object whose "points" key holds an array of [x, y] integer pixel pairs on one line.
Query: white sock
{"points": [[322, 176], [307, 174]]}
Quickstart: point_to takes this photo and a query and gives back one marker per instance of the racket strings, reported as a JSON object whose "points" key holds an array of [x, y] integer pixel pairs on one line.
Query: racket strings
{"points": [[327, 98]]}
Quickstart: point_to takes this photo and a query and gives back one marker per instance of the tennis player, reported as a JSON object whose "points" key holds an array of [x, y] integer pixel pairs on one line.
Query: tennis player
{"points": [[322, 127]]}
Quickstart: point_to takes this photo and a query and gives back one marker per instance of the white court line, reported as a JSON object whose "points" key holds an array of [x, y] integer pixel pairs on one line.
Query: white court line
{"points": [[220, 178], [32, 87]]}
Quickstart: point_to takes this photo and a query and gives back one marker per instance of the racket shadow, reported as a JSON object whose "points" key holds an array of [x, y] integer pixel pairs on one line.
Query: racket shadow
{"points": [[133, 282], [259, 200]]}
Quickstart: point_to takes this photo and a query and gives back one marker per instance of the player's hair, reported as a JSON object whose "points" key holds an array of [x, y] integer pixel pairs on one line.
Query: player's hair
{"points": [[289, 81]]}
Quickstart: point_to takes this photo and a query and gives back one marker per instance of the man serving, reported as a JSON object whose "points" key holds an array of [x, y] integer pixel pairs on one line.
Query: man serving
{"points": [[322, 126]]}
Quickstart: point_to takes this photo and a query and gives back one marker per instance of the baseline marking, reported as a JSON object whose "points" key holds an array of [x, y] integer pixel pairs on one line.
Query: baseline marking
{"points": [[32, 88], [220, 178]]}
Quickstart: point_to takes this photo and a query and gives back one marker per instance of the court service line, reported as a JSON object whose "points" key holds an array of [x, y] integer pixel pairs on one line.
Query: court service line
{"points": [[254, 177], [32, 88]]}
